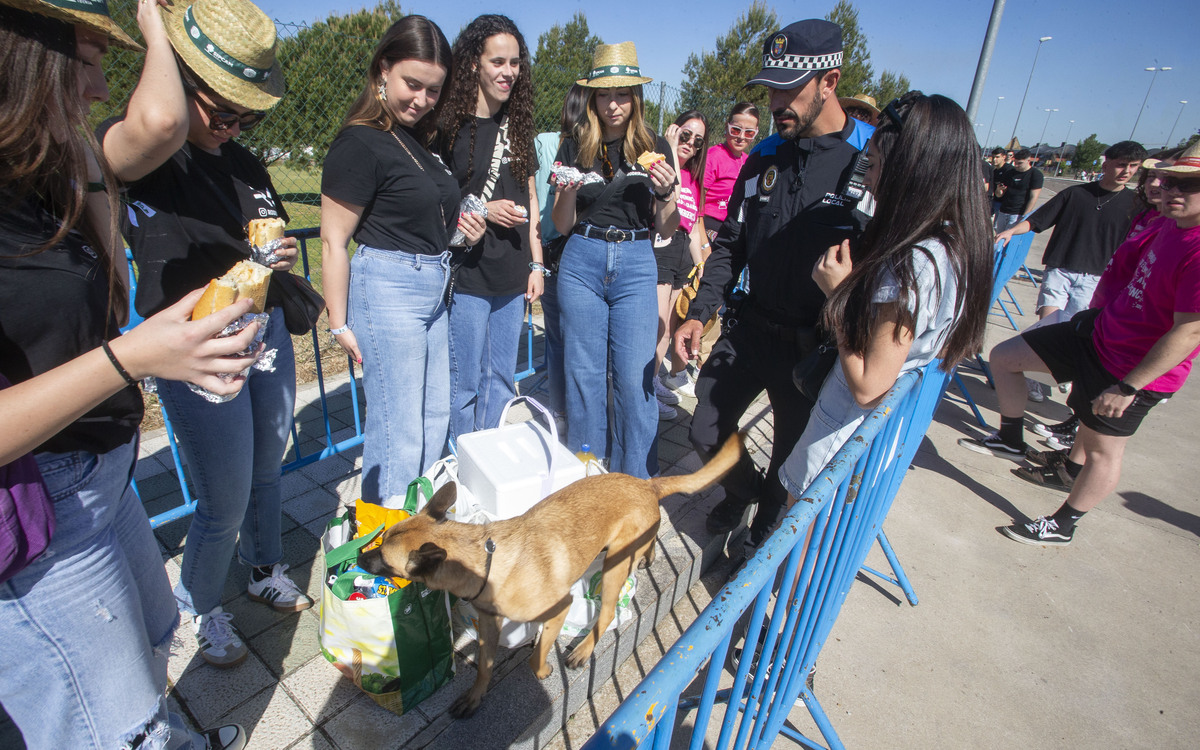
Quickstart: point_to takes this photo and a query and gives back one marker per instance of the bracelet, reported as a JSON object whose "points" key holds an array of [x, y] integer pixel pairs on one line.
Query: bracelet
{"points": [[535, 266], [339, 331], [113, 358], [670, 194], [1126, 389], [706, 246]]}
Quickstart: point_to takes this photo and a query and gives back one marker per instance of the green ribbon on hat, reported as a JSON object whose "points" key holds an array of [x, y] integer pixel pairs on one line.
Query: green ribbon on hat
{"points": [[87, 6], [218, 55], [614, 70]]}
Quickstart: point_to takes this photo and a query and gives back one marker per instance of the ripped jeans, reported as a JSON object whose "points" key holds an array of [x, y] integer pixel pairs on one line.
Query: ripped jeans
{"points": [[86, 628]]}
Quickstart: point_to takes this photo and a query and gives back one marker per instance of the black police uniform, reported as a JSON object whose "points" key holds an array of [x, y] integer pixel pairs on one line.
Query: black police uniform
{"points": [[786, 210]]}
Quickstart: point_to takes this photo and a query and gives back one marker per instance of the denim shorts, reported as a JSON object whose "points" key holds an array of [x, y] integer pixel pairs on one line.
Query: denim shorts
{"points": [[833, 420]]}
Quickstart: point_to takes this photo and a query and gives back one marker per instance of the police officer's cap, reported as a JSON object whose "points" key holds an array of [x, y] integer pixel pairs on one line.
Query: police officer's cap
{"points": [[798, 52]]}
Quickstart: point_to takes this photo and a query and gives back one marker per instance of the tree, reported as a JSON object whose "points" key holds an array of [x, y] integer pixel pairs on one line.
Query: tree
{"points": [[564, 54], [713, 81], [1087, 153], [888, 86], [857, 71]]}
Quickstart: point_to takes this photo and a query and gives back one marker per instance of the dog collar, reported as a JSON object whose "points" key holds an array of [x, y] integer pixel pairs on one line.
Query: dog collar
{"points": [[490, 546]]}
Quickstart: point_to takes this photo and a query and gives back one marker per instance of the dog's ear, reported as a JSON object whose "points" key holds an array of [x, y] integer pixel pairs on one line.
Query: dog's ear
{"points": [[424, 561], [441, 501]]}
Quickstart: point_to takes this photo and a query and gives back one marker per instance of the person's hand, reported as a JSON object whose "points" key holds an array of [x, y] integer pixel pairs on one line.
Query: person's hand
{"points": [[833, 267], [1001, 188], [1111, 403], [473, 227], [149, 21], [687, 339], [170, 345], [349, 344], [287, 253], [672, 135], [662, 175], [537, 285], [504, 213], [1004, 236]]}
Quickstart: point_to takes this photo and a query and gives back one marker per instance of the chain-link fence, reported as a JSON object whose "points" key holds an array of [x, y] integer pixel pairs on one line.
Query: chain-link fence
{"points": [[325, 71]]}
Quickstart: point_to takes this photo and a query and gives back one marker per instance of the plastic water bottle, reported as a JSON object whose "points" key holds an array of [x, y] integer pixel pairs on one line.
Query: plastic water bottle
{"points": [[585, 454]]}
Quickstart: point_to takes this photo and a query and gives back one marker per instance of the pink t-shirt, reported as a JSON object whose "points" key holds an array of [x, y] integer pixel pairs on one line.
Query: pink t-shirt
{"points": [[720, 175], [1164, 280], [689, 207]]}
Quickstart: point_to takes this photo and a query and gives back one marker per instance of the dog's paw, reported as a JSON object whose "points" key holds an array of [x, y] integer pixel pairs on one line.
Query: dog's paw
{"points": [[579, 656], [466, 706], [541, 671]]}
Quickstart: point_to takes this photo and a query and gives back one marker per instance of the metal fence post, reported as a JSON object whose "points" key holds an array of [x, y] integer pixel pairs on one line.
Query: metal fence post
{"points": [[662, 99]]}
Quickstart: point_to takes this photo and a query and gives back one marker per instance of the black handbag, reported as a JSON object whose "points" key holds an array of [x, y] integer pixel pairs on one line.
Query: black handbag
{"points": [[810, 373], [302, 305]]}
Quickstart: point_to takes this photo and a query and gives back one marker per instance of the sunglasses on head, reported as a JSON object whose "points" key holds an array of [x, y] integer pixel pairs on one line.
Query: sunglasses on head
{"points": [[222, 120], [687, 136], [740, 132], [1185, 185]]}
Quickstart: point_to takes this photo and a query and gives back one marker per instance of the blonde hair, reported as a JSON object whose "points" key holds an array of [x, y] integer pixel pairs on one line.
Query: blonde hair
{"points": [[639, 138]]}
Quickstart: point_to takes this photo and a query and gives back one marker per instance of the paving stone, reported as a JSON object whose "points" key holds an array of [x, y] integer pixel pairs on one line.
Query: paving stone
{"points": [[210, 693], [315, 740], [316, 503], [252, 618], [363, 724], [321, 691], [271, 718], [290, 644]]}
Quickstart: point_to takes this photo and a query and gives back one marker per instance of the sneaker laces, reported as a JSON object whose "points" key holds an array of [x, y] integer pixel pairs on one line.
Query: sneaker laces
{"points": [[1043, 525], [217, 629], [280, 581]]}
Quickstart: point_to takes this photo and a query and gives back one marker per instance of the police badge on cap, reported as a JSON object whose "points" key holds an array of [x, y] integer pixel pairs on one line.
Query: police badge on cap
{"points": [[799, 52]]}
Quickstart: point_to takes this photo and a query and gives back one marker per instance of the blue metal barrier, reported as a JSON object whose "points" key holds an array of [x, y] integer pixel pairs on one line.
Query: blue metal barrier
{"points": [[845, 508]]}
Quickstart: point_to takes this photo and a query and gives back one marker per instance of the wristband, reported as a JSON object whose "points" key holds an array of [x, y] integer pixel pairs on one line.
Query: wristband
{"points": [[1126, 389], [339, 331], [670, 194], [113, 358], [535, 266]]}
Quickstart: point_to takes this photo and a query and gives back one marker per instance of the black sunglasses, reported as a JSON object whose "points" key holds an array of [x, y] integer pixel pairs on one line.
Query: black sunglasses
{"points": [[220, 120], [687, 136], [1184, 185]]}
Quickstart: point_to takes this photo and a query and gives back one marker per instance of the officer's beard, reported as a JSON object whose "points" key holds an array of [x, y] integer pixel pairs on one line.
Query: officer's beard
{"points": [[792, 125]]}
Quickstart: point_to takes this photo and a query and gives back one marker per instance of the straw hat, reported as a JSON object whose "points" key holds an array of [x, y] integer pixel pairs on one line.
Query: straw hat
{"points": [[614, 66], [1186, 163], [230, 44], [90, 13], [866, 101]]}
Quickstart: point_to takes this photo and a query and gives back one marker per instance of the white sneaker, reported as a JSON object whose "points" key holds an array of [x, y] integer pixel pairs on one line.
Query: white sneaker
{"points": [[1035, 391], [666, 412], [278, 591], [219, 642], [664, 394], [676, 381]]}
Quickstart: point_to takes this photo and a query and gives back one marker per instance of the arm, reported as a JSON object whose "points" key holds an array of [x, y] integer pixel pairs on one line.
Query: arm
{"points": [[564, 207], [1009, 233], [338, 221], [166, 345], [537, 280], [698, 244], [1174, 346], [156, 120], [1032, 201], [664, 182]]}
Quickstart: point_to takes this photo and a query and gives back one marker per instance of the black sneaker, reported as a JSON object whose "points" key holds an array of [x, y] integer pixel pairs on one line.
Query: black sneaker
{"points": [[727, 514], [1048, 459], [228, 737], [1054, 477], [1061, 442], [1043, 531], [1066, 427], [992, 445]]}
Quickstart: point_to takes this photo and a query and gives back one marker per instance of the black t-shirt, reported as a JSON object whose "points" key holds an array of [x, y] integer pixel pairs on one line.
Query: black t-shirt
{"points": [[632, 205], [997, 174], [499, 264], [186, 221], [54, 308], [409, 198], [1089, 224], [1019, 184]]}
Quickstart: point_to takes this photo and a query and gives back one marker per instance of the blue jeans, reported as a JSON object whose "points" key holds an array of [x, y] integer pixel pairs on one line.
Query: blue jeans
{"points": [[234, 451], [552, 323], [609, 319], [87, 626], [485, 334], [398, 315]]}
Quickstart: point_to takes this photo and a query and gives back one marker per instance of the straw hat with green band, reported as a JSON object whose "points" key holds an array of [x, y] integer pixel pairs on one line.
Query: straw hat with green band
{"points": [[230, 44], [90, 13], [614, 66]]}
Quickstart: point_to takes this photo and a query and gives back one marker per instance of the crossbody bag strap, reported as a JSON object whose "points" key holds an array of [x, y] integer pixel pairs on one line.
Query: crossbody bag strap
{"points": [[609, 191], [498, 152]]}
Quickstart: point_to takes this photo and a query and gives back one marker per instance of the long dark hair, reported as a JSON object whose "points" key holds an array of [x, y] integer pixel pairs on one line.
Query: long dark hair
{"points": [[695, 165], [460, 107], [929, 188], [45, 138], [410, 38], [574, 109]]}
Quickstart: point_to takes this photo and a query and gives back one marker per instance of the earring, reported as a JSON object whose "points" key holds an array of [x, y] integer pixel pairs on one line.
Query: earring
{"points": [[382, 91]]}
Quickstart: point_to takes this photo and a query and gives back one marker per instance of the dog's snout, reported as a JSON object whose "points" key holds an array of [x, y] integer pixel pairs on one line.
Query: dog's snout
{"points": [[371, 561]]}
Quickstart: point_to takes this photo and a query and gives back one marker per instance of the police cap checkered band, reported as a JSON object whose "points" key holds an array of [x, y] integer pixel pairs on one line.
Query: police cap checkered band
{"points": [[804, 62]]}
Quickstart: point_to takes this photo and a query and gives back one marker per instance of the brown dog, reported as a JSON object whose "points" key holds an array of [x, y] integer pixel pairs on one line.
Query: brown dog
{"points": [[522, 568]]}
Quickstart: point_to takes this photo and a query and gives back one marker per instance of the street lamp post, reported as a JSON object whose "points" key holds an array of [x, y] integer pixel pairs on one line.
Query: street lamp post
{"points": [[1043, 137], [1063, 149], [1138, 119], [1021, 109], [1182, 104], [991, 127]]}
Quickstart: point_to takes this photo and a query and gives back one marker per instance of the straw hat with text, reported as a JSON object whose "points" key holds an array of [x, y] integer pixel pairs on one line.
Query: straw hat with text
{"points": [[614, 66], [1187, 163], [90, 13]]}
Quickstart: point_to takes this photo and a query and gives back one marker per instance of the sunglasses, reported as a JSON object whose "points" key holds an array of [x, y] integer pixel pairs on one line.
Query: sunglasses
{"points": [[736, 132], [1185, 185], [687, 136], [220, 120]]}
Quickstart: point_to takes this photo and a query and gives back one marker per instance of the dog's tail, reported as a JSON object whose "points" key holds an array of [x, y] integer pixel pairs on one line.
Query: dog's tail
{"points": [[709, 474]]}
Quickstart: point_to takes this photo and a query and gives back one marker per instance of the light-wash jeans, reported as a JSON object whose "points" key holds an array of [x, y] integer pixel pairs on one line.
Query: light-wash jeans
{"points": [[234, 452], [609, 315], [485, 335], [86, 628], [398, 315], [552, 322]]}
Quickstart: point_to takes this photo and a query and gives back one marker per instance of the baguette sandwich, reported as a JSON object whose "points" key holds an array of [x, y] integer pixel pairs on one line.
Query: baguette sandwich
{"points": [[263, 231], [649, 159], [246, 279]]}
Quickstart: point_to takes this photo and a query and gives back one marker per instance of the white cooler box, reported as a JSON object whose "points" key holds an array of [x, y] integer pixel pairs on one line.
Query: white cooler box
{"points": [[510, 468]]}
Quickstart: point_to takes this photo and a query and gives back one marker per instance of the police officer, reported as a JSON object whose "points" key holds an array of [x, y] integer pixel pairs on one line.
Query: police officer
{"points": [[795, 197]]}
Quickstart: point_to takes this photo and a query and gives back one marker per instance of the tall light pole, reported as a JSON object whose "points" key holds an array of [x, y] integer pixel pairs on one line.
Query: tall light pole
{"points": [[1182, 104], [1043, 137], [1021, 109], [991, 127], [1063, 149], [1155, 70]]}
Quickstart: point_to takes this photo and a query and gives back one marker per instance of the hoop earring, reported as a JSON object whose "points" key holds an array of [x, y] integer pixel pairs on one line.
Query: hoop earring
{"points": [[382, 90]]}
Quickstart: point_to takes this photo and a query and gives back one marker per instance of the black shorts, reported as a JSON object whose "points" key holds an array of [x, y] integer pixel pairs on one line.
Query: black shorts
{"points": [[674, 260], [1068, 350]]}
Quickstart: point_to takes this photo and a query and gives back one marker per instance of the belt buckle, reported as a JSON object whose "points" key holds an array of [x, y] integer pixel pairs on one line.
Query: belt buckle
{"points": [[613, 235]]}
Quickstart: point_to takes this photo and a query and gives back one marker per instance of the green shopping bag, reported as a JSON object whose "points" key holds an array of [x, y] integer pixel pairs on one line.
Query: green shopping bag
{"points": [[397, 648]]}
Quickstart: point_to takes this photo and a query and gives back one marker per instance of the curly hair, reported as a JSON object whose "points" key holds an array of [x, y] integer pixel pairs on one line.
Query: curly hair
{"points": [[464, 95]]}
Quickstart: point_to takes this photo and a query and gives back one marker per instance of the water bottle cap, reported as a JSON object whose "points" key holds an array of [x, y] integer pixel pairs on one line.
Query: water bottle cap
{"points": [[584, 448]]}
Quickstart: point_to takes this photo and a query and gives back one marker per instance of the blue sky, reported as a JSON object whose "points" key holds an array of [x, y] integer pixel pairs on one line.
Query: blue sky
{"points": [[1092, 71]]}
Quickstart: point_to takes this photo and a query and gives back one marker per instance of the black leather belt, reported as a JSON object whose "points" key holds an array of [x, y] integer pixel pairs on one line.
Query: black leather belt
{"points": [[805, 337], [611, 235]]}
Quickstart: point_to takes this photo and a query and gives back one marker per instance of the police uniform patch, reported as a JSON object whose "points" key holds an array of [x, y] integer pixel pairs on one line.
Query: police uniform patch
{"points": [[769, 178], [778, 46]]}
